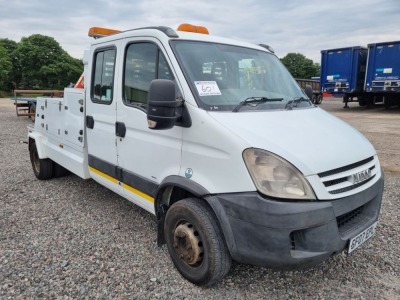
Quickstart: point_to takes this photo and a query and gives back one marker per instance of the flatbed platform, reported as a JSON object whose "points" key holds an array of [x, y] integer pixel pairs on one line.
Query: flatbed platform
{"points": [[25, 101]]}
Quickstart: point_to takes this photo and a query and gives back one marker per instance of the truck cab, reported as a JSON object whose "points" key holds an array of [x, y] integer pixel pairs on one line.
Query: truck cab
{"points": [[213, 137]]}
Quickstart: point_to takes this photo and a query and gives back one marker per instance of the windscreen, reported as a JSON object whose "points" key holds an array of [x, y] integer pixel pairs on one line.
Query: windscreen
{"points": [[222, 76]]}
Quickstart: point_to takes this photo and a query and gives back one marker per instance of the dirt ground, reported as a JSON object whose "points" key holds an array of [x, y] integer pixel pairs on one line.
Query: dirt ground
{"points": [[380, 125]]}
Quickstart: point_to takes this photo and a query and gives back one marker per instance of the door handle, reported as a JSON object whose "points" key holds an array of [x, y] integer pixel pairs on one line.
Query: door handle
{"points": [[89, 122], [120, 129]]}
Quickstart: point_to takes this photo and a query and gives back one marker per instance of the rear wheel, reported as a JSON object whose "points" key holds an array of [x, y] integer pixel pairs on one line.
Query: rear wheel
{"points": [[43, 168], [195, 242], [59, 171], [319, 99]]}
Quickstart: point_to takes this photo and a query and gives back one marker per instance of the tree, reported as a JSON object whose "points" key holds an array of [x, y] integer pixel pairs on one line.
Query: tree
{"points": [[9, 82], [62, 72], [317, 68], [32, 53], [300, 66], [5, 67], [9, 45], [42, 63]]}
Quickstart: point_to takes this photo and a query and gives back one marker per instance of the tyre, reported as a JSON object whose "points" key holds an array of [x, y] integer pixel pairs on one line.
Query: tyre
{"points": [[32, 109], [388, 101], [195, 242], [43, 168], [314, 99], [362, 100], [59, 171], [319, 99]]}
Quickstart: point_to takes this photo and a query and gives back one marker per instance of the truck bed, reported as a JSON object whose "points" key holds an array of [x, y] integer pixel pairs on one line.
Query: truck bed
{"points": [[60, 127]]}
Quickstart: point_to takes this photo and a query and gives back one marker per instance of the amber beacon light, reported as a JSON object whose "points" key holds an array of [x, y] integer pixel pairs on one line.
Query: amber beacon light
{"points": [[192, 28], [97, 32]]}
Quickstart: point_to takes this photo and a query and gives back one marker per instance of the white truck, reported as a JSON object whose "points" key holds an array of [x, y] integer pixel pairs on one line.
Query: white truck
{"points": [[213, 137]]}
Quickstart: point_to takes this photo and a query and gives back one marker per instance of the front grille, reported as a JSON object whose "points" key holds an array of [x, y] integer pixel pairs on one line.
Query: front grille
{"points": [[346, 168], [347, 178], [336, 181], [353, 221], [346, 218], [352, 187]]}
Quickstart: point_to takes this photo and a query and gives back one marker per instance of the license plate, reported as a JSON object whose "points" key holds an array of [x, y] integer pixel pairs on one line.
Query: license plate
{"points": [[361, 238]]}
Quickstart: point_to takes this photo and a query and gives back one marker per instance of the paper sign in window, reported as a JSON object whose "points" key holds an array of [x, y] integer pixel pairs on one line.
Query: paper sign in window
{"points": [[207, 88]]}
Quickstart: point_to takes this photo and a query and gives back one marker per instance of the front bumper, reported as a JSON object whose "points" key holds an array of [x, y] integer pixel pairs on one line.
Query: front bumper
{"points": [[290, 235]]}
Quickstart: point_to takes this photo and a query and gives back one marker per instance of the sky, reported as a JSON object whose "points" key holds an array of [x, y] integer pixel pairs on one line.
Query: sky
{"points": [[288, 26]]}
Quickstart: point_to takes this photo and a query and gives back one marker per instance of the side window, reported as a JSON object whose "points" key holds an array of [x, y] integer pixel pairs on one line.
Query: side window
{"points": [[163, 70], [103, 70], [143, 63]]}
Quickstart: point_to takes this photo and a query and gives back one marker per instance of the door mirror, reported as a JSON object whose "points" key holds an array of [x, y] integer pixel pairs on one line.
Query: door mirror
{"points": [[309, 92], [162, 104]]}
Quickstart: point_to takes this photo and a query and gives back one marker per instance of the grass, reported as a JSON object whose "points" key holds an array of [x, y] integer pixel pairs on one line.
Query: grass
{"points": [[4, 94]]}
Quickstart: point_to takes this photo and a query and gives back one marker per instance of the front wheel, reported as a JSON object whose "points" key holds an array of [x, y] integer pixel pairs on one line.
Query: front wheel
{"points": [[195, 242]]}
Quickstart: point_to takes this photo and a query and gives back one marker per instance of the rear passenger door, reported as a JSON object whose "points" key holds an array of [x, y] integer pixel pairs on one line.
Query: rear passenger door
{"points": [[145, 156], [101, 116]]}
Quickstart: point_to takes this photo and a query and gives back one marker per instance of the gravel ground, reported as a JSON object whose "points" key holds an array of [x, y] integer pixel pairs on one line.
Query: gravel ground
{"points": [[69, 238]]}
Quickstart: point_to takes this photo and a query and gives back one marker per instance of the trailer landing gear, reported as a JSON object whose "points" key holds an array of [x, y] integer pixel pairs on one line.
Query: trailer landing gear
{"points": [[345, 100]]}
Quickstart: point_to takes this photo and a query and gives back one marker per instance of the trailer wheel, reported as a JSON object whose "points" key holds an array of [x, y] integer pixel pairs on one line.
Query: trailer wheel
{"points": [[362, 100], [314, 99], [43, 168], [32, 109], [319, 99], [195, 242]]}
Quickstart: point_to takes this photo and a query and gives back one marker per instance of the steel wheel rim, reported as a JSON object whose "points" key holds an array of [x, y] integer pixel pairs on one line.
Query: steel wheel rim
{"points": [[188, 244]]}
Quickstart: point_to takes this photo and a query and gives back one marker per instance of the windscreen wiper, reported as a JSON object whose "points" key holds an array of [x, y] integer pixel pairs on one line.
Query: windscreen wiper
{"points": [[289, 105], [255, 101]]}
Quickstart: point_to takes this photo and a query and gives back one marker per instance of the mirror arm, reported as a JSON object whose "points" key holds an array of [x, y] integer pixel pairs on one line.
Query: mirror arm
{"points": [[182, 114]]}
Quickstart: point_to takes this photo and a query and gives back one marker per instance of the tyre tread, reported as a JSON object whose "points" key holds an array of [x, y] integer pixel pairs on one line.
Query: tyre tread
{"points": [[45, 165], [221, 264]]}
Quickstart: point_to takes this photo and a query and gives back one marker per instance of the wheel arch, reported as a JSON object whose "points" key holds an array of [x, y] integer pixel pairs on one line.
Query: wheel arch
{"points": [[37, 139], [172, 189], [191, 224]]}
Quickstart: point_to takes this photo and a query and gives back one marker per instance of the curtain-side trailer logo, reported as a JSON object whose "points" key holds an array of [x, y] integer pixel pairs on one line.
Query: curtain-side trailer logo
{"points": [[360, 176]]}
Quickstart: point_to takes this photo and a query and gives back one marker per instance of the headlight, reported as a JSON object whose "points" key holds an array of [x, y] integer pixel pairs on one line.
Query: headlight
{"points": [[275, 177]]}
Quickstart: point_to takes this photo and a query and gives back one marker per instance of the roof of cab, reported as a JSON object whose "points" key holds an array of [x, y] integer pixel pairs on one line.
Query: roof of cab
{"points": [[166, 34]]}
